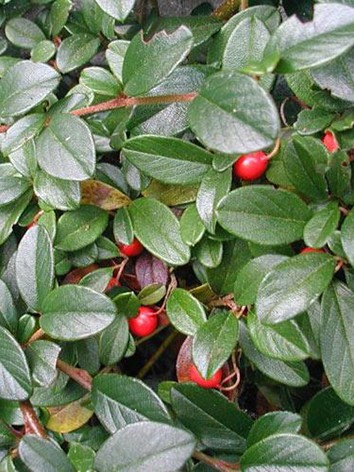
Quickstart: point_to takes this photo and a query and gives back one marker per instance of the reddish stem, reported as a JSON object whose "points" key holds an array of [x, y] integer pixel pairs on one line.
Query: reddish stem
{"points": [[82, 377], [31, 421]]}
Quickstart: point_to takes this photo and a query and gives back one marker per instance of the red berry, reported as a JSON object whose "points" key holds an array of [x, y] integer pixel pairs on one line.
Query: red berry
{"points": [[329, 140], [213, 382], [310, 249], [131, 250], [251, 166], [144, 323]]}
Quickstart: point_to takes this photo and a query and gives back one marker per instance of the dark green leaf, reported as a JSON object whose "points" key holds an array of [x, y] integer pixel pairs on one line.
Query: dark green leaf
{"points": [[22, 131], [79, 228], [73, 312], [57, 193], [35, 266], [263, 215], [65, 149], [146, 64], [118, 10], [185, 312], [58, 16], [286, 453], [12, 185], [236, 104], [23, 33], [321, 226], [337, 340], [327, 416], [114, 341], [169, 160], [341, 456], [276, 422], [209, 252], [98, 279], [162, 236], [10, 214], [294, 374], [215, 421], [24, 159], [284, 341], [43, 455], [310, 44], [152, 294], [291, 287], [192, 227], [8, 313], [75, 51], [81, 456], [145, 446], [214, 341], [251, 275], [25, 85], [119, 400], [100, 81], [347, 237], [14, 371], [42, 358]]}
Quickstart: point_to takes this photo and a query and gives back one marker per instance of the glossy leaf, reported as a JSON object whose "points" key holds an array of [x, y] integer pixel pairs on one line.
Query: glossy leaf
{"points": [[114, 341], [237, 105], [119, 10], [291, 287], [57, 193], [42, 358], [75, 51], [21, 132], [347, 237], [322, 225], [43, 454], [276, 422], [74, 312], [192, 227], [12, 185], [162, 238], [8, 313], [23, 33], [35, 267], [185, 312], [263, 215]]}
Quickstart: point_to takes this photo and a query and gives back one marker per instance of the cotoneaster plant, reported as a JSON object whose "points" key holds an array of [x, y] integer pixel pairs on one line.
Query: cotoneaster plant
{"points": [[176, 235]]}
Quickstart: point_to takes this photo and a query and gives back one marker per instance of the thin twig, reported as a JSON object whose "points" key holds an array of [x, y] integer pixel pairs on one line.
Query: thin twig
{"points": [[81, 376], [216, 464], [243, 5], [31, 421], [157, 354], [275, 150], [35, 336]]}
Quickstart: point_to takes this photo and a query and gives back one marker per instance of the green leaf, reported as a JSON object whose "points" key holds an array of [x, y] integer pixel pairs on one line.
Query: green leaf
{"points": [[145, 446], [146, 64], [337, 76], [24, 86], [322, 225], [327, 416], [237, 105], [57, 193], [209, 252], [310, 44], [152, 294], [65, 149], [114, 341], [100, 81], [246, 44], [43, 51], [217, 423], [263, 215], [251, 275], [73, 312], [8, 312], [339, 174], [14, 371], [98, 279], [79, 228], [75, 51], [162, 237], [122, 227], [185, 312], [214, 186], [192, 227], [294, 374], [42, 358], [12, 185], [58, 16], [276, 422], [10, 214], [118, 10], [286, 453], [115, 56], [41, 454], [337, 340], [236, 254], [22, 131], [81, 456], [284, 341], [313, 120], [306, 161], [170, 160], [35, 266], [214, 342], [341, 456], [119, 400], [24, 159], [23, 33], [292, 286], [347, 237]]}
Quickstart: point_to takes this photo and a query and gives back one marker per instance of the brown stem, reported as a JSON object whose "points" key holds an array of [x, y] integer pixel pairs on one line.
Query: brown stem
{"points": [[123, 101], [157, 354], [243, 5], [332, 442], [82, 377], [226, 9], [31, 421], [275, 150], [4, 128], [216, 464], [35, 336]]}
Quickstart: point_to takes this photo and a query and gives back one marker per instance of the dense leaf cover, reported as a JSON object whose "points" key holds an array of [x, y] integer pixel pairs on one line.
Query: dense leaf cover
{"points": [[132, 247]]}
